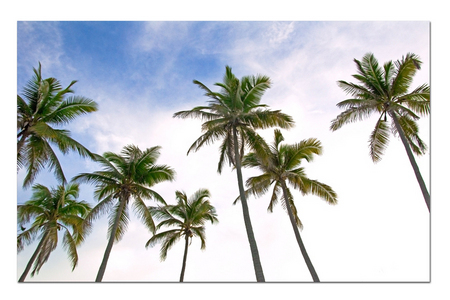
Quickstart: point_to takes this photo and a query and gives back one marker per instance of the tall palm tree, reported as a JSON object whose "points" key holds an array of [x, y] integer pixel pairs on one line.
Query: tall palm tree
{"points": [[283, 167], [189, 216], [52, 210], [384, 90], [233, 115], [124, 176], [44, 105]]}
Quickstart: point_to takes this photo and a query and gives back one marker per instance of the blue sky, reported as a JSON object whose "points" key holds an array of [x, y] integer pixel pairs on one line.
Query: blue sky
{"points": [[140, 73]]}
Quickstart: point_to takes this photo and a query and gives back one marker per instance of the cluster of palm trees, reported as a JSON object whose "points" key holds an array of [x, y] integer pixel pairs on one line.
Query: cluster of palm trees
{"points": [[232, 116]]}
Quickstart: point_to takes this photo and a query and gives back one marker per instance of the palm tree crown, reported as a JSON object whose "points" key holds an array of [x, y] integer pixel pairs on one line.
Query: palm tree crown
{"points": [[236, 107], [125, 176], [283, 166], [52, 210], [384, 90], [189, 216], [233, 115], [45, 105]]}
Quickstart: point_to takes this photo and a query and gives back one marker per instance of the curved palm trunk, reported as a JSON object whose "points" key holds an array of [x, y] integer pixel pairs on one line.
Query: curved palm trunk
{"points": [[101, 270], [297, 235], [32, 259], [183, 268], [422, 185], [248, 225]]}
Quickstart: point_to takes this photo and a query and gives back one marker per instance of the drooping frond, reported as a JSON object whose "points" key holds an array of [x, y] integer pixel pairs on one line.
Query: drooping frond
{"points": [[379, 139], [353, 114], [122, 221], [319, 189], [411, 131], [144, 214], [418, 100], [167, 238]]}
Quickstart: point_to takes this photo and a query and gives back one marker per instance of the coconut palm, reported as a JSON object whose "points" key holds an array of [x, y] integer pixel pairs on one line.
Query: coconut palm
{"points": [[384, 90], [283, 167], [44, 105], [124, 176], [189, 217], [52, 210], [233, 115]]}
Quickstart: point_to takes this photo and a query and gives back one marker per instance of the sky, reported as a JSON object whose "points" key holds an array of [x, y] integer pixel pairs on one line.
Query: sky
{"points": [[141, 73]]}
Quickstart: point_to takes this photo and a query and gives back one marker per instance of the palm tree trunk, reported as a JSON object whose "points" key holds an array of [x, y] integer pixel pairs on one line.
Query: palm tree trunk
{"points": [[183, 268], [248, 225], [33, 258], [297, 235], [422, 185], [102, 268]]}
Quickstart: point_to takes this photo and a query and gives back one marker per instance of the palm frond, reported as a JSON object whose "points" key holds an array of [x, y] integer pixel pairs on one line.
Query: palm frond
{"points": [[70, 109], [352, 114], [418, 100], [379, 140], [405, 70], [122, 223], [144, 214], [321, 190], [71, 247]]}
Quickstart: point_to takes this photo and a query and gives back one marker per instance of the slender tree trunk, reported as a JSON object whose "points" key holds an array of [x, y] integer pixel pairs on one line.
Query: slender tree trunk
{"points": [[297, 235], [248, 225], [422, 185], [102, 268], [183, 268], [32, 259]]}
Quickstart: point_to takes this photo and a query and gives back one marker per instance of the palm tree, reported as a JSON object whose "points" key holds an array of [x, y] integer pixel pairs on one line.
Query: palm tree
{"points": [[189, 216], [44, 105], [125, 176], [232, 116], [52, 210], [384, 90], [284, 166]]}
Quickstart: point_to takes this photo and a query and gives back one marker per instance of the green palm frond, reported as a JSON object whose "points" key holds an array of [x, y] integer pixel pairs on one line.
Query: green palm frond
{"points": [[70, 109], [379, 140], [122, 223], [48, 246], [71, 247], [418, 100], [167, 238], [353, 114], [405, 70], [306, 149], [411, 130], [26, 237], [144, 214], [207, 138], [290, 200], [319, 189]]}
